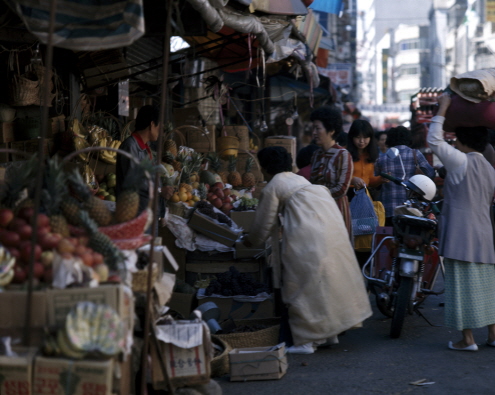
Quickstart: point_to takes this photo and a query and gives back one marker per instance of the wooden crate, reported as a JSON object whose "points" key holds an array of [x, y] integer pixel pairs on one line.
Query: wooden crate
{"points": [[197, 270]]}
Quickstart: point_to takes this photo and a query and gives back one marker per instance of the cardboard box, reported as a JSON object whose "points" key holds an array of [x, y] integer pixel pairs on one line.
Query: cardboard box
{"points": [[237, 310], [17, 372], [13, 313], [257, 363], [168, 240], [6, 132], [184, 351], [218, 232], [60, 301], [182, 303], [66, 376], [243, 218], [288, 142], [196, 270]]}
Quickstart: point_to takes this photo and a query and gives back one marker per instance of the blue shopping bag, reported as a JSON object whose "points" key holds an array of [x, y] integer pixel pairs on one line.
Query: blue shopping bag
{"points": [[364, 219]]}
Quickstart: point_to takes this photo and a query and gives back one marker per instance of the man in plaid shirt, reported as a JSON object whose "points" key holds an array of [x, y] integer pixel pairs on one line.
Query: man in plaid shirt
{"points": [[392, 195]]}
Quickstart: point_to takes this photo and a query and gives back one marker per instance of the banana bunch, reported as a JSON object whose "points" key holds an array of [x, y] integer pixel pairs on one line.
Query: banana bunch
{"points": [[7, 263], [109, 156], [253, 147]]}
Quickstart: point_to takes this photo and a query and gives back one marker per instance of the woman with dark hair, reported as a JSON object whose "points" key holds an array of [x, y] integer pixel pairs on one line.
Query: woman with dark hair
{"points": [[466, 233], [137, 144], [362, 146], [402, 166], [303, 160], [331, 165], [321, 284], [381, 140]]}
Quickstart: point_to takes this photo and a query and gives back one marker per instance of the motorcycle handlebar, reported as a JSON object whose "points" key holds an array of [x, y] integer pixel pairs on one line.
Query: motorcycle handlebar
{"points": [[392, 178]]}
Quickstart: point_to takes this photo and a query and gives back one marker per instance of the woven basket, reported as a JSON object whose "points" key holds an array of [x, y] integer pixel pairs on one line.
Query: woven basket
{"points": [[140, 279], [220, 364], [262, 338], [127, 230], [24, 90], [178, 209]]}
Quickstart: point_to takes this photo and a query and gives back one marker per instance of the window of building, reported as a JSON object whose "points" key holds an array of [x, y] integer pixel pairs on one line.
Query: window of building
{"points": [[406, 45], [409, 70]]}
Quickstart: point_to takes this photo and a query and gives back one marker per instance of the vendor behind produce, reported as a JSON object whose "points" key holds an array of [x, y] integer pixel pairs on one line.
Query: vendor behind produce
{"points": [[321, 283], [146, 131]]}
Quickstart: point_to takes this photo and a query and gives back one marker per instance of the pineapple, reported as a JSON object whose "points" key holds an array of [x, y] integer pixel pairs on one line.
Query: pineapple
{"points": [[15, 189], [97, 209], [234, 177], [70, 208], [169, 158], [127, 206], [248, 179], [101, 243], [202, 192], [196, 161], [54, 193], [171, 147], [185, 179]]}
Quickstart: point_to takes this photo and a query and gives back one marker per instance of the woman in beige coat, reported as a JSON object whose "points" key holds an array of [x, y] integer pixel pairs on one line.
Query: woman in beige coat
{"points": [[322, 286]]}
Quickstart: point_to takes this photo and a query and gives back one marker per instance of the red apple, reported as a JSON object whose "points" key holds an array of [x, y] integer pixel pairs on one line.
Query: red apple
{"points": [[26, 213], [38, 270], [114, 278], [6, 215], [25, 250], [20, 274], [227, 192], [16, 223], [218, 185], [50, 241], [25, 232], [43, 231], [219, 193], [212, 197], [217, 202], [65, 245], [227, 199], [42, 220], [226, 207], [10, 239]]}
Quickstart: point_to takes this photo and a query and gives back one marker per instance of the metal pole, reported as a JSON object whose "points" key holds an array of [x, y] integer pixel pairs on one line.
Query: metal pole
{"points": [[41, 166], [161, 122]]}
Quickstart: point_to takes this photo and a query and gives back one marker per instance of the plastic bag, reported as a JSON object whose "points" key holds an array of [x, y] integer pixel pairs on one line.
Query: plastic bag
{"points": [[363, 243], [364, 219]]}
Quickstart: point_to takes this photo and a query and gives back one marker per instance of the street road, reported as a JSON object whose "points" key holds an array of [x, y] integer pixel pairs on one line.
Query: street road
{"points": [[368, 361]]}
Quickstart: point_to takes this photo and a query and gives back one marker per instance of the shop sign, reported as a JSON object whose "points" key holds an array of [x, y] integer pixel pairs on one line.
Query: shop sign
{"points": [[339, 73]]}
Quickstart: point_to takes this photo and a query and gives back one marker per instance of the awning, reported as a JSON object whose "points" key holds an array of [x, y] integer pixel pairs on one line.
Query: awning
{"points": [[328, 6]]}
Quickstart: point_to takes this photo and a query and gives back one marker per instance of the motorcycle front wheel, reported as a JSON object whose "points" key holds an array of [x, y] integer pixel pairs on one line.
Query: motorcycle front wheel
{"points": [[401, 306]]}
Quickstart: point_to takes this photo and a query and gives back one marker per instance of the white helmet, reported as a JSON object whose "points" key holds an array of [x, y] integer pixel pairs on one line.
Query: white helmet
{"points": [[423, 186]]}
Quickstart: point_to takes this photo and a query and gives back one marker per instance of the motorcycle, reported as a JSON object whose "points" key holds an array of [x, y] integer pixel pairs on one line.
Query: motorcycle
{"points": [[404, 263]]}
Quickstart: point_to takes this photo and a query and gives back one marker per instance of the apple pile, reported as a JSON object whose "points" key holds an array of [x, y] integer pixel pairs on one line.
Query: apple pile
{"points": [[221, 197], [15, 235]]}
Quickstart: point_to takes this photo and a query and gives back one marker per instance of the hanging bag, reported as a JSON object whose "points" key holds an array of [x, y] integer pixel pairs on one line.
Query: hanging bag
{"points": [[364, 219], [363, 243]]}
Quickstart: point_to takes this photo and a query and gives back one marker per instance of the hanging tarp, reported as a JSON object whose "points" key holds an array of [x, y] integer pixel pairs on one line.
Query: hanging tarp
{"points": [[88, 25], [328, 6]]}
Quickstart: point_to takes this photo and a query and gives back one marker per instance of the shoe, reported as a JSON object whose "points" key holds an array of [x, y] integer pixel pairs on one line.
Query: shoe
{"points": [[472, 347], [327, 342], [302, 349], [492, 344]]}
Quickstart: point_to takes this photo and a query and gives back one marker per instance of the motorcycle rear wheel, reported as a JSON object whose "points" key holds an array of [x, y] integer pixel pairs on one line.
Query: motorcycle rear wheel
{"points": [[401, 306]]}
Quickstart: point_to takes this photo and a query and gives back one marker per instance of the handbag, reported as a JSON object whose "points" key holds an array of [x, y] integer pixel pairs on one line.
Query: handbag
{"points": [[363, 243], [417, 169], [364, 219]]}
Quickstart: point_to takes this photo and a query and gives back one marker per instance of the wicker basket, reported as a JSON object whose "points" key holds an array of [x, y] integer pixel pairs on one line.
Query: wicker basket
{"points": [[24, 90], [220, 364], [140, 279], [178, 209], [262, 338]]}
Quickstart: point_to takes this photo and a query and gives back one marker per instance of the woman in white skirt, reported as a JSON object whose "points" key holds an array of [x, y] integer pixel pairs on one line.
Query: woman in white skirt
{"points": [[466, 233]]}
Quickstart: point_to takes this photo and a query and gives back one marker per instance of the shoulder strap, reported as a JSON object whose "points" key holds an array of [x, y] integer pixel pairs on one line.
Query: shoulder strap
{"points": [[415, 158]]}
